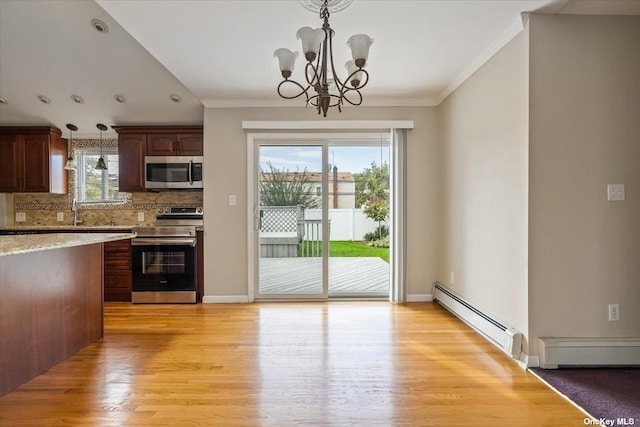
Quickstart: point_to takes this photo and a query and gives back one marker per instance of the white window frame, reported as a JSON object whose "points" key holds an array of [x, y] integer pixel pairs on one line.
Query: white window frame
{"points": [[79, 156]]}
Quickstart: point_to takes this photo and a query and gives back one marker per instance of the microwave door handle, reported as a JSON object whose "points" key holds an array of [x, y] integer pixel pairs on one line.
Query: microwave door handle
{"points": [[190, 172]]}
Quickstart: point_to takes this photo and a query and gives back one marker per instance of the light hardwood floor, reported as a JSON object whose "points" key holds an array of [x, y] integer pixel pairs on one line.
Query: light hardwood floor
{"points": [[287, 364]]}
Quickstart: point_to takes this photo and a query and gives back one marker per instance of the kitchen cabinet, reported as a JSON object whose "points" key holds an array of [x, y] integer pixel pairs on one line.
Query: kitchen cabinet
{"points": [[131, 152], [174, 144], [32, 160], [136, 142], [117, 271]]}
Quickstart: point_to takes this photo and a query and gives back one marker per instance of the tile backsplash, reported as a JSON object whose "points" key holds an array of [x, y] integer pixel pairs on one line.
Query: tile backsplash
{"points": [[42, 209]]}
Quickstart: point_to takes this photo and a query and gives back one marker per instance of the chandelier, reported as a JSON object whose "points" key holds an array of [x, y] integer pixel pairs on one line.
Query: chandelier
{"points": [[320, 71]]}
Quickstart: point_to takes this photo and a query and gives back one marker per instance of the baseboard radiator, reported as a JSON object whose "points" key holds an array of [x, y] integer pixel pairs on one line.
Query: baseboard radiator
{"points": [[507, 339], [583, 352]]}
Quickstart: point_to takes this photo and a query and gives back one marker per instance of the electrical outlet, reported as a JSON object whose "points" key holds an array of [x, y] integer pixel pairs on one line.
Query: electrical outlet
{"points": [[232, 200], [140, 216], [60, 216], [21, 217], [452, 278], [614, 312], [615, 192]]}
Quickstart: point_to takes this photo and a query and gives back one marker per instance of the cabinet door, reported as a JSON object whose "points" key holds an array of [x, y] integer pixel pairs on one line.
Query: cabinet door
{"points": [[131, 152], [189, 145], [161, 144], [36, 163], [9, 164]]}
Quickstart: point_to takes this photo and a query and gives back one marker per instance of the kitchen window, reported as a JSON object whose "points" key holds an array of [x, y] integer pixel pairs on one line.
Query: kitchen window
{"points": [[94, 185]]}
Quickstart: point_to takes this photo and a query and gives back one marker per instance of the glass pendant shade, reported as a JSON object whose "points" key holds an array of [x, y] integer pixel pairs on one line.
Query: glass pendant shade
{"points": [[359, 45], [287, 60], [311, 41], [352, 68], [100, 165], [70, 165]]}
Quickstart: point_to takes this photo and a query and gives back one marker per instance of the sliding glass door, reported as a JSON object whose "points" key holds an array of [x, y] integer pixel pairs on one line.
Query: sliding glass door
{"points": [[321, 218]]}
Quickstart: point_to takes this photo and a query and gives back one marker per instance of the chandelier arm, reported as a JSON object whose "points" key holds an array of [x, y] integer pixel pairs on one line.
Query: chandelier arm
{"points": [[339, 84], [316, 78], [347, 87], [313, 100], [345, 98], [303, 91]]}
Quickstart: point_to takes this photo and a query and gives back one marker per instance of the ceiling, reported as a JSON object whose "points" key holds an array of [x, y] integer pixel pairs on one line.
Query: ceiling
{"points": [[218, 53]]}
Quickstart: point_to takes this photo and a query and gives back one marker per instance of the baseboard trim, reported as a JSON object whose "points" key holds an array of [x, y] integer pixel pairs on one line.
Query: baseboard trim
{"points": [[555, 352], [527, 361], [419, 298], [225, 299]]}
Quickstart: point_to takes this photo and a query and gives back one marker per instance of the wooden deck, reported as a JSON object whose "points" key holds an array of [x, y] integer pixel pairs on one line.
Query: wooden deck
{"points": [[366, 276]]}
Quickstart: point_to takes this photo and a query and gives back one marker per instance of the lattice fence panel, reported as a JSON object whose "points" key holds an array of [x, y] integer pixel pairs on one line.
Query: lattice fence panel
{"points": [[280, 219]]}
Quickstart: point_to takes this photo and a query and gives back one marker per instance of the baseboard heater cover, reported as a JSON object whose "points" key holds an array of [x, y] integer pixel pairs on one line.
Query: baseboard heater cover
{"points": [[555, 352], [506, 338]]}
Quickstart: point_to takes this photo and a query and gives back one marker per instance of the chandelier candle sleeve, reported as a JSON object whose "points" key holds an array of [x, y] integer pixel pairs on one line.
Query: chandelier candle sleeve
{"points": [[324, 88]]}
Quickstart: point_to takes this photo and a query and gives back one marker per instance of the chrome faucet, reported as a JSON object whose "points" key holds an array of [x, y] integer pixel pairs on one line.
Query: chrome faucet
{"points": [[74, 209]]}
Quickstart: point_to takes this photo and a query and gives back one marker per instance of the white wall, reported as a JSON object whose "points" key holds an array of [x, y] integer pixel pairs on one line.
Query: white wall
{"points": [[483, 143], [584, 251], [225, 173]]}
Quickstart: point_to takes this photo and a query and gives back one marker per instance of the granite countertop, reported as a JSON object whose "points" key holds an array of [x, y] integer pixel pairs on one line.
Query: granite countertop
{"points": [[67, 227], [20, 244]]}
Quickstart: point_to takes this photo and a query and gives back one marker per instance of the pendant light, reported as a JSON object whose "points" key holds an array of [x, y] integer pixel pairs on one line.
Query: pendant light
{"points": [[100, 165], [70, 165]]}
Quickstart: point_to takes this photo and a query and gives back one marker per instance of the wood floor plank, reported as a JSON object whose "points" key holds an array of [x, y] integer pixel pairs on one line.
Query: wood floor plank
{"points": [[287, 364]]}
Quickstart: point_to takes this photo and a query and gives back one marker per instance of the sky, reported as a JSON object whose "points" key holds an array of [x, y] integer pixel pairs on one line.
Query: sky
{"points": [[352, 159]]}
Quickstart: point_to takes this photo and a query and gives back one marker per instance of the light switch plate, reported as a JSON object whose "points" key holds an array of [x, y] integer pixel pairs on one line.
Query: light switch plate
{"points": [[60, 216], [21, 217], [615, 192], [232, 200], [140, 216]]}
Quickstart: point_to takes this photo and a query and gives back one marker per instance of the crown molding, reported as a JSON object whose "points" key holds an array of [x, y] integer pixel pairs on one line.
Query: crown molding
{"points": [[277, 102]]}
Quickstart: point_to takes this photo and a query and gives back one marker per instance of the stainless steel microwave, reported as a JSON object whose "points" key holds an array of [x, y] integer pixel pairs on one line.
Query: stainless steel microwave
{"points": [[173, 172]]}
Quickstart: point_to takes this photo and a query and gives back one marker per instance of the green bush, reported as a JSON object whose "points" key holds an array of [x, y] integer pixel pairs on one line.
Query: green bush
{"points": [[379, 233], [380, 243]]}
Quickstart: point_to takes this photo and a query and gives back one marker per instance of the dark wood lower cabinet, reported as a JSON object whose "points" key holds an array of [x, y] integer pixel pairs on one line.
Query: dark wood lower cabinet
{"points": [[117, 271], [50, 306]]}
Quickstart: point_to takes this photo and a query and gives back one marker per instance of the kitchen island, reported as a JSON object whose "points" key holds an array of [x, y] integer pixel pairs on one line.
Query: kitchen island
{"points": [[51, 300]]}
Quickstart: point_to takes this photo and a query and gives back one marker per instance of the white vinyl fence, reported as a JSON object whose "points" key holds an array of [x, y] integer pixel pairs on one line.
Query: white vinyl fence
{"points": [[345, 224]]}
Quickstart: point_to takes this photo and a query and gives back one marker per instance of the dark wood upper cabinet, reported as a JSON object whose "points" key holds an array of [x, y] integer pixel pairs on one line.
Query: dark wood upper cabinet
{"points": [[131, 151], [189, 145], [161, 145], [176, 144], [32, 160]]}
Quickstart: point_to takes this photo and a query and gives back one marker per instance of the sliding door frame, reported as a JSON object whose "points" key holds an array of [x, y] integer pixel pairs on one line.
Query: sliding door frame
{"points": [[255, 135]]}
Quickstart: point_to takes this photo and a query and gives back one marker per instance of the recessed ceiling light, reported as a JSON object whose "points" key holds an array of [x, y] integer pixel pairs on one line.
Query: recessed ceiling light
{"points": [[44, 99], [175, 98], [77, 99], [99, 26], [121, 99], [3, 101]]}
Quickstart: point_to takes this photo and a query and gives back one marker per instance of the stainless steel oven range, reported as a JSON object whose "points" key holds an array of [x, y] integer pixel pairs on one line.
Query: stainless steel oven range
{"points": [[164, 260]]}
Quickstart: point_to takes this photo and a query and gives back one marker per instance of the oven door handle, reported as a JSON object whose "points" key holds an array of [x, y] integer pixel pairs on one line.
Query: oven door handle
{"points": [[141, 241]]}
